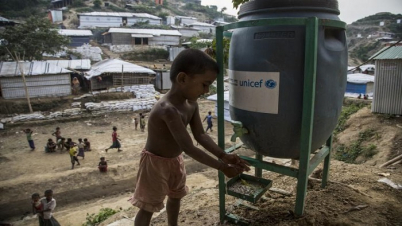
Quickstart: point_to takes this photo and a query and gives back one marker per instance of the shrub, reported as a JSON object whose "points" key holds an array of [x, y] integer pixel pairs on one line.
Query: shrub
{"points": [[350, 153], [346, 112], [147, 55], [104, 213]]}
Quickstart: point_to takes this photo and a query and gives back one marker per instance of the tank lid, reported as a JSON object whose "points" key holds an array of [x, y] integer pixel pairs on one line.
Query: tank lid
{"points": [[253, 5]]}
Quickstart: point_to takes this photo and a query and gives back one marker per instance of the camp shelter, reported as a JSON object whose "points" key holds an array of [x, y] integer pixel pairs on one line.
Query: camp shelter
{"points": [[388, 81], [78, 67], [42, 79], [114, 72], [77, 37], [360, 83], [162, 79]]}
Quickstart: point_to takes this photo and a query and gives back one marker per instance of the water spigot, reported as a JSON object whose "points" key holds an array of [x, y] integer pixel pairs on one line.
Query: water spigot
{"points": [[238, 130]]}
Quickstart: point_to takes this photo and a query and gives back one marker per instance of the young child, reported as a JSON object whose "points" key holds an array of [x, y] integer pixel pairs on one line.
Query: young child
{"points": [[73, 156], [142, 123], [161, 172], [50, 146], [49, 203], [61, 143], [102, 166], [31, 143], [209, 121], [87, 145], [135, 121], [57, 133], [37, 207], [81, 146], [116, 140]]}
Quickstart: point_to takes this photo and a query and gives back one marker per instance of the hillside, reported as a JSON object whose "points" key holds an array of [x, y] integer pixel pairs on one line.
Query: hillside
{"points": [[360, 46]]}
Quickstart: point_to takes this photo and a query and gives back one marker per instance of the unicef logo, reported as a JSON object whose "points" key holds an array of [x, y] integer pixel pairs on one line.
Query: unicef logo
{"points": [[270, 84]]}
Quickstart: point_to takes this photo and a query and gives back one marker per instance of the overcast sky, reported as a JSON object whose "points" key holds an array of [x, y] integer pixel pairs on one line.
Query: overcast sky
{"points": [[351, 10]]}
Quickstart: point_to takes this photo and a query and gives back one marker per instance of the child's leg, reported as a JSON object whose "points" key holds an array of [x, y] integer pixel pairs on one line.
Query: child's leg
{"points": [[172, 210], [143, 218]]}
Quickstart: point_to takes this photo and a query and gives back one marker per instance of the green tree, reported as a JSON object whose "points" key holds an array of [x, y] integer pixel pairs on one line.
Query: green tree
{"points": [[30, 40], [236, 3], [97, 4]]}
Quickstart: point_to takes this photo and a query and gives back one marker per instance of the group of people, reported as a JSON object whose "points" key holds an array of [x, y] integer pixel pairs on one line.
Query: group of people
{"points": [[161, 170], [140, 121], [365, 96]]}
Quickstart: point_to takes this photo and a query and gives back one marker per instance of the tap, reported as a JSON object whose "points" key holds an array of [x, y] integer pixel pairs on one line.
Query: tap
{"points": [[238, 130]]}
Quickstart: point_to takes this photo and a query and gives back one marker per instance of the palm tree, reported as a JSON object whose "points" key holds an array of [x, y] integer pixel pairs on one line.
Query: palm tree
{"points": [[223, 10]]}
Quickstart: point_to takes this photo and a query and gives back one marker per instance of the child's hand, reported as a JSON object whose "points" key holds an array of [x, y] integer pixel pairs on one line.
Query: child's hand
{"points": [[230, 170], [236, 160]]}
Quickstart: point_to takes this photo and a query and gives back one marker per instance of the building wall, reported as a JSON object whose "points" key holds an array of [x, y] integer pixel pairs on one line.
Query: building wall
{"points": [[38, 86], [162, 81], [126, 39], [205, 29], [100, 21], [78, 40], [388, 87], [187, 21], [189, 33]]}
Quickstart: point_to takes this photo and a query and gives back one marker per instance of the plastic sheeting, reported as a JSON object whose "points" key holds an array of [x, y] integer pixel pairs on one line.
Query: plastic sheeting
{"points": [[115, 66]]}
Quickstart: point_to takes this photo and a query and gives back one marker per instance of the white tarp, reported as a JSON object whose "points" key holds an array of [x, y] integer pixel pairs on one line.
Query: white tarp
{"points": [[225, 107], [359, 78], [115, 66], [89, 52]]}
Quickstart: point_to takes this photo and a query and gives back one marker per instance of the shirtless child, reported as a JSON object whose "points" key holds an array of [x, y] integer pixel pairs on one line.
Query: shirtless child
{"points": [[161, 172]]}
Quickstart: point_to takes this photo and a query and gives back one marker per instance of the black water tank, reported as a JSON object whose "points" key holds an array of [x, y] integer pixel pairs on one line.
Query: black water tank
{"points": [[266, 70]]}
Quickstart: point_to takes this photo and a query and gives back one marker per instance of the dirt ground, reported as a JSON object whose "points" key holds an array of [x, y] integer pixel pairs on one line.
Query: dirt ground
{"points": [[352, 197]]}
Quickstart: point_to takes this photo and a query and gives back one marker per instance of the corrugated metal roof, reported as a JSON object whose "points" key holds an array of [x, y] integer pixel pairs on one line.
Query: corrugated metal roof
{"points": [[121, 14], [392, 53], [115, 66], [84, 64], [156, 32], [10, 69], [68, 32]]}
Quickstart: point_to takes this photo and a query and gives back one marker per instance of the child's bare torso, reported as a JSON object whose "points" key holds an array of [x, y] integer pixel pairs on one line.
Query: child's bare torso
{"points": [[160, 139]]}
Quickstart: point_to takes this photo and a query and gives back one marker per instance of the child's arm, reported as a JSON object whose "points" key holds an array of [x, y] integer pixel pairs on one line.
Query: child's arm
{"points": [[179, 132], [206, 141]]}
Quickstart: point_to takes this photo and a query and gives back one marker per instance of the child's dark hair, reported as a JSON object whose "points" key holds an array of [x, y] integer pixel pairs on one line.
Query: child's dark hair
{"points": [[48, 192], [79, 139], [102, 158], [50, 139], [209, 112], [192, 61], [85, 139], [114, 128], [34, 195], [57, 127]]}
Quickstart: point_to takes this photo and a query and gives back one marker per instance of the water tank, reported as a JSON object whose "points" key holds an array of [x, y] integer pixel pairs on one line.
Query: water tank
{"points": [[266, 71]]}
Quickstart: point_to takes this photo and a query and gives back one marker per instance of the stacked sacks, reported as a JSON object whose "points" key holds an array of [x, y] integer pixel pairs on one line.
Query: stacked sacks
{"points": [[119, 106]]}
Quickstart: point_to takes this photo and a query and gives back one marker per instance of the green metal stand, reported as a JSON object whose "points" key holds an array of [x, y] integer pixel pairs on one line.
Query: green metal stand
{"points": [[306, 165]]}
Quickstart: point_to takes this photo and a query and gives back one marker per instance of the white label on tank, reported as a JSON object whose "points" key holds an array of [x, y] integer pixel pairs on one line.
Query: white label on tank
{"points": [[254, 91]]}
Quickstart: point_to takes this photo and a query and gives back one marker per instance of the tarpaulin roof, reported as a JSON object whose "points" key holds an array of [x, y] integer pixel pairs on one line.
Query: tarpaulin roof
{"points": [[11, 69], [360, 78], [116, 66], [72, 32], [83, 64]]}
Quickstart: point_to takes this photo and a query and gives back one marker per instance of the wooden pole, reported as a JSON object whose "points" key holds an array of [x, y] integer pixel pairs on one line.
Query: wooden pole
{"points": [[17, 59], [397, 158]]}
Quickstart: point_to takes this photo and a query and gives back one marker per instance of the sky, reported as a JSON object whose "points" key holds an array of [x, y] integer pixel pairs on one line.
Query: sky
{"points": [[351, 10]]}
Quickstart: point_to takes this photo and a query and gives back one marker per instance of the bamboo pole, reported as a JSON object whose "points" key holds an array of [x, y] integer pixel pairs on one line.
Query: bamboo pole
{"points": [[397, 158], [17, 59]]}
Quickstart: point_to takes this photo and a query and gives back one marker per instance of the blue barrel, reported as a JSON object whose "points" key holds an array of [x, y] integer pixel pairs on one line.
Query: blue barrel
{"points": [[266, 71]]}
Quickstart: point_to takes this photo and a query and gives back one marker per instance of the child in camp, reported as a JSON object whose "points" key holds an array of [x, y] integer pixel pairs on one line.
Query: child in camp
{"points": [[73, 156], [209, 121], [161, 171], [37, 207], [61, 143], [31, 143], [57, 133], [142, 123], [50, 146], [87, 145], [115, 139], [49, 203], [102, 166], [81, 146]]}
